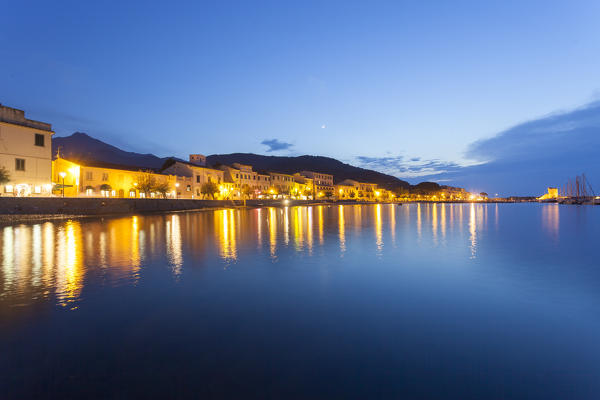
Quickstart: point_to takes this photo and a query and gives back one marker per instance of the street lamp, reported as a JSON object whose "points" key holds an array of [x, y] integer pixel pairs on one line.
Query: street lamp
{"points": [[62, 175], [176, 191]]}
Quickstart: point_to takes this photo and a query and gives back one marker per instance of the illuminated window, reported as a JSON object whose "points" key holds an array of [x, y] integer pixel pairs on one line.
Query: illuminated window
{"points": [[132, 193], [89, 192], [8, 188], [37, 189], [113, 193]]}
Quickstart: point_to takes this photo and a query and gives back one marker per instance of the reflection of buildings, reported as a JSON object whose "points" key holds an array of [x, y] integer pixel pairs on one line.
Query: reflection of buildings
{"points": [[225, 229], [25, 153], [551, 219], [342, 228]]}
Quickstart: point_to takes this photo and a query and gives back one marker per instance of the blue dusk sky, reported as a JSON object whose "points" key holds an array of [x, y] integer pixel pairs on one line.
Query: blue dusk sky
{"points": [[501, 97]]}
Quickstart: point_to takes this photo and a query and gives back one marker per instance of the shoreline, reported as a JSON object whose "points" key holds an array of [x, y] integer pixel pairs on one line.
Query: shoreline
{"points": [[21, 210]]}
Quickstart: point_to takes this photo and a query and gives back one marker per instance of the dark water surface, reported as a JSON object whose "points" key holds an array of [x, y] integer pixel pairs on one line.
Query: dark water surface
{"points": [[465, 301]]}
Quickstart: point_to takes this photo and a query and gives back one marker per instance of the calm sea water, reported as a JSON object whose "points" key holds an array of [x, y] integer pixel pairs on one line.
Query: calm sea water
{"points": [[465, 301]]}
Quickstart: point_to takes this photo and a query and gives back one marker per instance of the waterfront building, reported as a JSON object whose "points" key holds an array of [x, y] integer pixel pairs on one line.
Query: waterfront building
{"points": [[191, 175], [322, 183], [98, 179], [243, 179], [25, 154], [282, 185], [263, 184], [552, 193], [453, 193], [347, 190], [363, 191], [303, 186]]}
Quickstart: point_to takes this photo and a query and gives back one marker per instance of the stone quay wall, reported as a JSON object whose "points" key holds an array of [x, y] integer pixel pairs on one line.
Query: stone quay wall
{"points": [[112, 206]]}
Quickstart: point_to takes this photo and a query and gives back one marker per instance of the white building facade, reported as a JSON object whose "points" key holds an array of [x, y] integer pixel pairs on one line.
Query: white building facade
{"points": [[25, 154]]}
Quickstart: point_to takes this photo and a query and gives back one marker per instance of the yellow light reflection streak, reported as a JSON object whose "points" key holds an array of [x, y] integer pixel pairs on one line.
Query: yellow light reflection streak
{"points": [[273, 231], [173, 241], [419, 220], [320, 215], [37, 255], [378, 232], [392, 208], [434, 221], [70, 276], [443, 222], [342, 229], [8, 256], [298, 229], [309, 229]]}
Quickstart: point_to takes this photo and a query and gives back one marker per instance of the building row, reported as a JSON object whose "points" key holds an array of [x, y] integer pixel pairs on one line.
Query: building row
{"points": [[30, 169]]}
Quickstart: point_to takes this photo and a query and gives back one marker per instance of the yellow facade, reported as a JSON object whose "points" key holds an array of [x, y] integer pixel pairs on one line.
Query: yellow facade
{"points": [[551, 194], [96, 181]]}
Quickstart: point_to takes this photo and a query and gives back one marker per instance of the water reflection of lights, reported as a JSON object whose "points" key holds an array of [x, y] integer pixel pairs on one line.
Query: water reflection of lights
{"points": [[473, 230], [135, 246], [551, 219], [419, 220], [69, 267], [272, 231], [48, 253], [378, 230], [443, 221], [392, 208], [342, 226], [309, 229], [8, 256], [37, 251], [259, 227], [225, 227], [286, 226], [320, 215], [434, 222], [298, 222], [173, 241]]}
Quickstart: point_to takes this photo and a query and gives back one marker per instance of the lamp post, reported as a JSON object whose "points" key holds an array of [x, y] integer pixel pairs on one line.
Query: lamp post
{"points": [[62, 175], [176, 192]]}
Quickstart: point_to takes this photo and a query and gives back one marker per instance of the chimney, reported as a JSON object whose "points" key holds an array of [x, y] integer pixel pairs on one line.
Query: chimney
{"points": [[198, 159]]}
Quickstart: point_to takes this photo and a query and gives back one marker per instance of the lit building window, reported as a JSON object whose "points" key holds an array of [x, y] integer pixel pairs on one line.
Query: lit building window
{"points": [[37, 189], [8, 188]]}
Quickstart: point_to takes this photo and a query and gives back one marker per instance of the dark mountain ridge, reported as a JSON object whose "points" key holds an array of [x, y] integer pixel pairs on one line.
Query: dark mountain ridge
{"points": [[327, 165], [84, 148]]}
